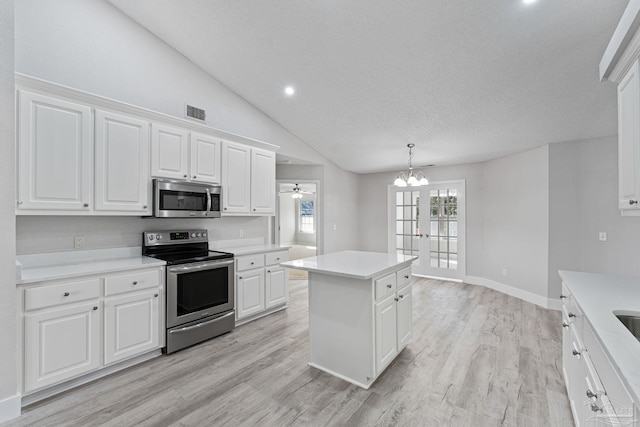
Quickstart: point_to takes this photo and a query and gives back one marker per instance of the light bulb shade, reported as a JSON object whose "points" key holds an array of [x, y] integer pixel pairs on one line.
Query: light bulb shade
{"points": [[296, 196], [400, 182], [424, 181], [413, 181]]}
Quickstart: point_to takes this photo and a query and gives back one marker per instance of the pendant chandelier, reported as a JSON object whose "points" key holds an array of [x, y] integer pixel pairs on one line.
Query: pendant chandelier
{"points": [[411, 179]]}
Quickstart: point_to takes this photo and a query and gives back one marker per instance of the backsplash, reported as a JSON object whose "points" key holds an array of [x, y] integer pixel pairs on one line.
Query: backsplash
{"points": [[37, 234]]}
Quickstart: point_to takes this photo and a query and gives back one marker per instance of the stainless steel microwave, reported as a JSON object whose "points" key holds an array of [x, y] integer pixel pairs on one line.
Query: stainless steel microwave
{"points": [[176, 199]]}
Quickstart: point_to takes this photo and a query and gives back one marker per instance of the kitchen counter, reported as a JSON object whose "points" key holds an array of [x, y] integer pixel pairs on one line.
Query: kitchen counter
{"points": [[598, 296], [254, 249], [61, 265], [354, 264]]}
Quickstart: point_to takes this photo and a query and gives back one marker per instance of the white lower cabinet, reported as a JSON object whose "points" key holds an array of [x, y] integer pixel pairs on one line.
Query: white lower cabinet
{"points": [[394, 326], [262, 287], [75, 326], [131, 325], [61, 343]]}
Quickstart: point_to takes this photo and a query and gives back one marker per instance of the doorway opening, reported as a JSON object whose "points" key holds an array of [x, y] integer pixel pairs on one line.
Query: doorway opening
{"points": [[298, 221]]}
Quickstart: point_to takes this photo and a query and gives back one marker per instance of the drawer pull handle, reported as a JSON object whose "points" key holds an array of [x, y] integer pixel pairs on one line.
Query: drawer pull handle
{"points": [[571, 314], [252, 263], [268, 271], [135, 282], [565, 325], [86, 205], [155, 295], [95, 307], [389, 286], [66, 294], [633, 202], [401, 296], [595, 408], [591, 394], [396, 299], [277, 259], [240, 277], [563, 296], [144, 207], [576, 353], [406, 276]]}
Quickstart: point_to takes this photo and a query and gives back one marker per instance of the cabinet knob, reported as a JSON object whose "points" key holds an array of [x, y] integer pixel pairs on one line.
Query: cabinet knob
{"points": [[571, 314], [155, 295], [184, 176], [18, 202], [225, 209], [144, 207], [86, 205], [406, 276], [135, 282], [95, 307], [268, 271], [254, 209], [66, 294], [401, 296], [195, 176], [252, 263], [563, 296], [595, 408], [565, 325], [633, 202], [389, 286], [396, 299], [591, 394], [576, 353]]}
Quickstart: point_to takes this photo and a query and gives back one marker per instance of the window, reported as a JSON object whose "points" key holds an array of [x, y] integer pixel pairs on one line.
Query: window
{"points": [[306, 222]]}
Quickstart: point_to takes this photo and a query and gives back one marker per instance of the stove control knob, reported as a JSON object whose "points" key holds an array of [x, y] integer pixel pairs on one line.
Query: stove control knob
{"points": [[193, 234], [150, 237], [197, 234], [158, 237], [204, 234]]}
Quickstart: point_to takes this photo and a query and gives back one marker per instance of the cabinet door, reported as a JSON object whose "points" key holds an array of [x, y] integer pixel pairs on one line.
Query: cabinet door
{"points": [[61, 344], [236, 178], [263, 182], [205, 159], [169, 152], [405, 316], [386, 332], [131, 325], [55, 154], [277, 289], [122, 164], [249, 293], [629, 140]]}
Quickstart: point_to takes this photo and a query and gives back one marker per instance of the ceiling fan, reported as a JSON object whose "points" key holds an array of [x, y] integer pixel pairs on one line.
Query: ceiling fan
{"points": [[297, 192]]}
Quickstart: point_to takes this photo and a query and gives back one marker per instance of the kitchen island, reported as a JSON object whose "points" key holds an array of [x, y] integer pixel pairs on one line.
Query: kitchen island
{"points": [[360, 311]]}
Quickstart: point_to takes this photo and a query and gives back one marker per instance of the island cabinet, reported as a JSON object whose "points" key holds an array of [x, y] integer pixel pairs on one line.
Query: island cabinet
{"points": [[75, 326], [360, 312]]}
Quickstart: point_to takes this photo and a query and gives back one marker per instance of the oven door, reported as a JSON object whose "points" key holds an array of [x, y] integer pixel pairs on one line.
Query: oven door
{"points": [[185, 200], [198, 290]]}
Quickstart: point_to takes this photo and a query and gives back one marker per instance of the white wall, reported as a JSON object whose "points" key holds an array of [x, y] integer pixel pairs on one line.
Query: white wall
{"points": [[9, 403], [516, 220], [92, 46], [287, 214]]}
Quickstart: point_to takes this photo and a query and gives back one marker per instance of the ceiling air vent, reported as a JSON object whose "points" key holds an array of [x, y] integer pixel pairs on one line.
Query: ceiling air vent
{"points": [[195, 113]]}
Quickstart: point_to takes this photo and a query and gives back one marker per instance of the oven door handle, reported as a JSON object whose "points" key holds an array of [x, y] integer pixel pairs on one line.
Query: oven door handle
{"points": [[199, 325], [199, 266], [208, 200]]}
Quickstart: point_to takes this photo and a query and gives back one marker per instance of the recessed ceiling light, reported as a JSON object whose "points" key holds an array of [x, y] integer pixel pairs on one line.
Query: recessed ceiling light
{"points": [[529, 1], [289, 90]]}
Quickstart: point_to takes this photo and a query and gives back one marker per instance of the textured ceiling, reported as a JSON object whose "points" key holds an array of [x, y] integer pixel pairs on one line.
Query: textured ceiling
{"points": [[463, 80]]}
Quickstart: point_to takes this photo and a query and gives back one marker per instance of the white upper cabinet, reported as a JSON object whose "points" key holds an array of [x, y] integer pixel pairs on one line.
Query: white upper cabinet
{"points": [[629, 142], [122, 163], [169, 152], [248, 180], [263, 182], [55, 154], [236, 178], [205, 159]]}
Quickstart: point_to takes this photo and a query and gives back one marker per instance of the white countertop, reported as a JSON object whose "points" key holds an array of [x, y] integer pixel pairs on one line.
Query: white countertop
{"points": [[63, 265], [254, 249], [598, 296], [354, 264]]}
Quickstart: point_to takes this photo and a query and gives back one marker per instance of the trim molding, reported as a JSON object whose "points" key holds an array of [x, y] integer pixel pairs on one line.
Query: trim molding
{"points": [[544, 302], [10, 408]]}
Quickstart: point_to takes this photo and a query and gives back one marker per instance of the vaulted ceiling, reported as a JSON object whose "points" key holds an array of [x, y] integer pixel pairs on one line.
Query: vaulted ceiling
{"points": [[464, 81]]}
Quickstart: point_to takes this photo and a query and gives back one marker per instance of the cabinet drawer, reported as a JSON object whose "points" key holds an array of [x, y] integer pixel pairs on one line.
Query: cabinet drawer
{"points": [[403, 276], [130, 282], [63, 293], [385, 285], [272, 258], [249, 261]]}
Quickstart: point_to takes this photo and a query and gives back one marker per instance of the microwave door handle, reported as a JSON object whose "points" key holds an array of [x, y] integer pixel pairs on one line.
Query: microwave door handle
{"points": [[208, 200]]}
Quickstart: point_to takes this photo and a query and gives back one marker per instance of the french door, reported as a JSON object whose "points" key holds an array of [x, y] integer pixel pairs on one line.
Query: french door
{"points": [[429, 221]]}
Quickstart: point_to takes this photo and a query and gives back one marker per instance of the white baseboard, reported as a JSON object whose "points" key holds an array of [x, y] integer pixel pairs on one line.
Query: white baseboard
{"points": [[515, 292], [10, 408]]}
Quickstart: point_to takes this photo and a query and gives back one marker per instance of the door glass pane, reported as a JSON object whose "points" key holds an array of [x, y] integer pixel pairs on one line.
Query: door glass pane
{"points": [[443, 207], [407, 225]]}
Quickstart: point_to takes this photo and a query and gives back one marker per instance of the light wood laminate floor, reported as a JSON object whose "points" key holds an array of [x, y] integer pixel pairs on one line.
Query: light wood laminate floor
{"points": [[477, 358]]}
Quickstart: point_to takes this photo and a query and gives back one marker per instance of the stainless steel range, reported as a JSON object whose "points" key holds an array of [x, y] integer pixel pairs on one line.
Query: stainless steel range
{"points": [[200, 286]]}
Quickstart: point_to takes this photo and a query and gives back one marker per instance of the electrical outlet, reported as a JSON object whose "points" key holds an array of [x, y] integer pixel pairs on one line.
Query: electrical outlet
{"points": [[78, 242], [504, 272], [241, 233], [602, 236]]}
